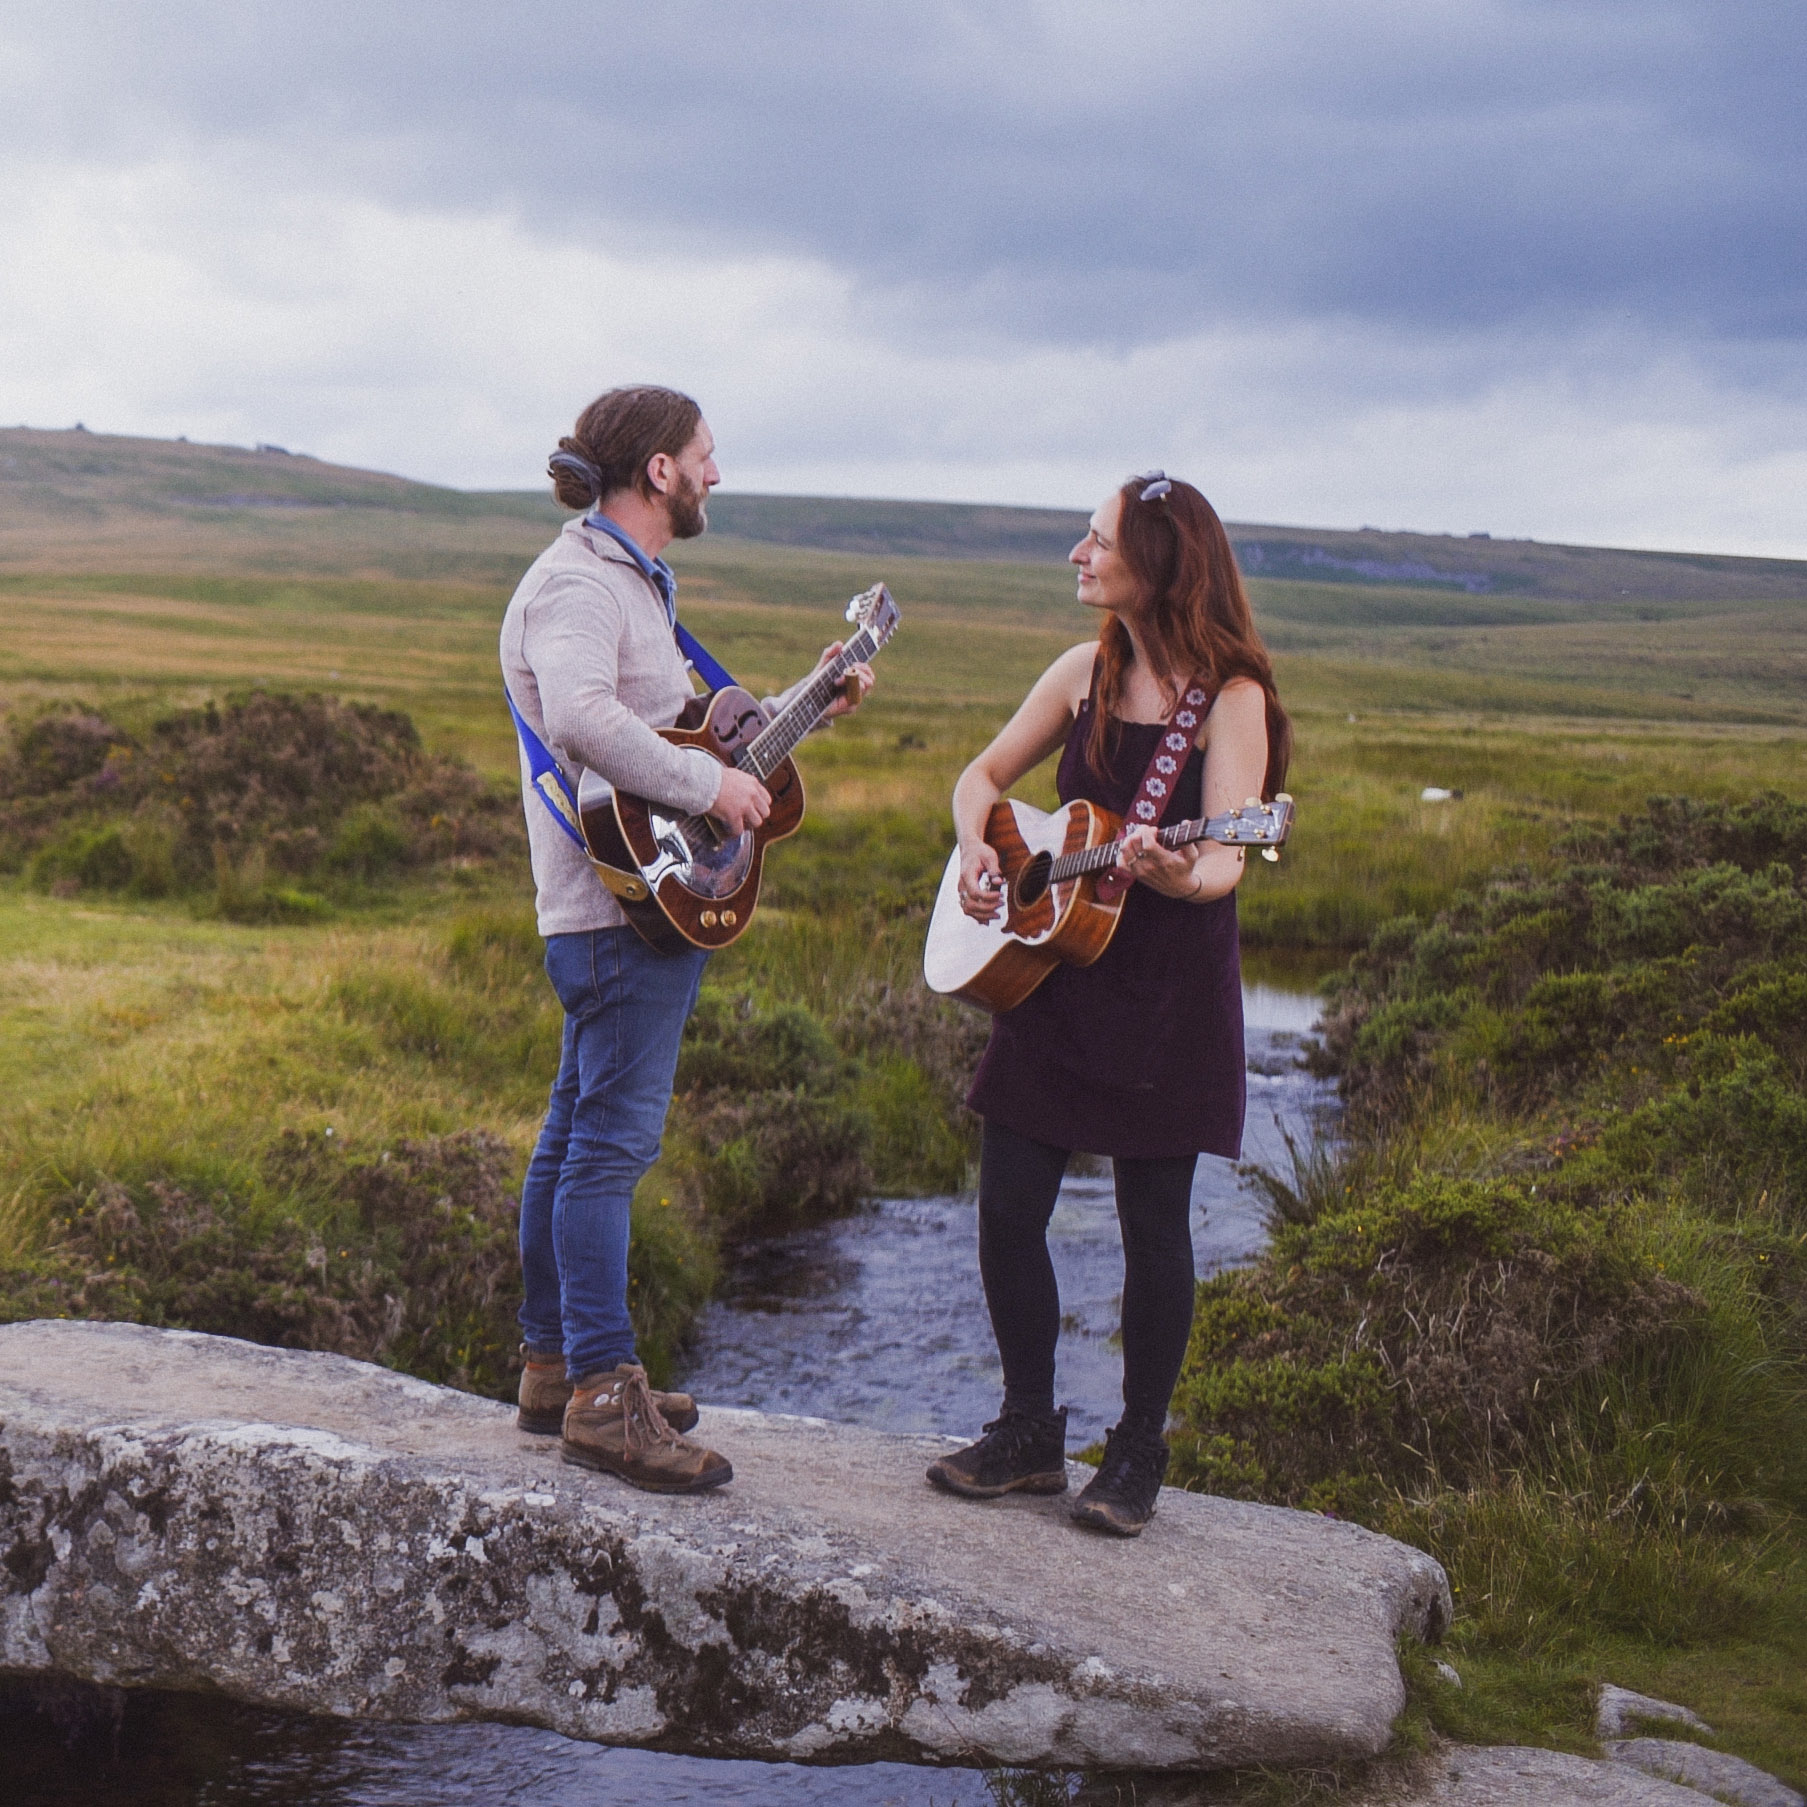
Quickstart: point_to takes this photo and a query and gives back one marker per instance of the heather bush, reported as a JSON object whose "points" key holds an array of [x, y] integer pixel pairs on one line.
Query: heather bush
{"points": [[405, 1256], [271, 803], [764, 1126], [1544, 1311]]}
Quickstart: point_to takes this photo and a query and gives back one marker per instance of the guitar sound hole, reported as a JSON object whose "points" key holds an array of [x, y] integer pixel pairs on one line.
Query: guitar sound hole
{"points": [[1032, 881], [721, 870], [706, 864]]}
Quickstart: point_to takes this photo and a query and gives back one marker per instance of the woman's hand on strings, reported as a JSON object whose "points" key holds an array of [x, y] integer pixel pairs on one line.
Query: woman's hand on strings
{"points": [[981, 882], [1142, 856]]}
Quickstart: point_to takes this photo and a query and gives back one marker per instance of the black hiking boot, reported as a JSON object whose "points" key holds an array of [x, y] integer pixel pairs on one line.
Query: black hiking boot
{"points": [[1019, 1453], [1121, 1496]]}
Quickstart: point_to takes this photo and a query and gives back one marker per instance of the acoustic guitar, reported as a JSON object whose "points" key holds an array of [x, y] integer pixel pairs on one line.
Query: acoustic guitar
{"points": [[1052, 912], [684, 879]]}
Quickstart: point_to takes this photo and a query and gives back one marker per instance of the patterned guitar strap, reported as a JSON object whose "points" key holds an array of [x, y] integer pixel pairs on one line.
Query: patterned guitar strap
{"points": [[1155, 795]]}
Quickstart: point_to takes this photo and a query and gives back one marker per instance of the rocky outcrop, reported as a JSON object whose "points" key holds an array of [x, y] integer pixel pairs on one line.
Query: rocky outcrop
{"points": [[312, 1533]]}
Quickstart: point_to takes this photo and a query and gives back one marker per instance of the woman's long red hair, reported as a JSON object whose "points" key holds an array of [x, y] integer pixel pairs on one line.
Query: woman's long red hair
{"points": [[1192, 614]]}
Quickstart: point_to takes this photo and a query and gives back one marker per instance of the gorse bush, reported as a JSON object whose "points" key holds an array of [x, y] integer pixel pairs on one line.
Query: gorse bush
{"points": [[254, 801], [1546, 1310]]}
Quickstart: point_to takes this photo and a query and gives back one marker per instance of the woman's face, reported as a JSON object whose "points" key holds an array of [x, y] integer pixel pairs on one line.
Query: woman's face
{"points": [[1104, 579]]}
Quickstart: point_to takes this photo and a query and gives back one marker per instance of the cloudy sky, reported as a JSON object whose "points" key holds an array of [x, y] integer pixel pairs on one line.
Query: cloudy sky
{"points": [[1445, 264]]}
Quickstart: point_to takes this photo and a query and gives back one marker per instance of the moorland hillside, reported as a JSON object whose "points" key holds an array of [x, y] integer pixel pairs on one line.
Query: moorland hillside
{"points": [[66, 497]]}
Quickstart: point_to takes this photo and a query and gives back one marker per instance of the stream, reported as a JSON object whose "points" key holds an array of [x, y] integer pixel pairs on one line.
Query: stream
{"points": [[878, 1320]]}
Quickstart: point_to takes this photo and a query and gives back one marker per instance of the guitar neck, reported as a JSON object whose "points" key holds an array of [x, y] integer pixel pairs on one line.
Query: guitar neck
{"points": [[1230, 828], [1183, 834], [770, 749]]}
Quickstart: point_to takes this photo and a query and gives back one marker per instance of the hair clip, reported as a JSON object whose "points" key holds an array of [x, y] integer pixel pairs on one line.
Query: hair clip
{"points": [[1159, 486], [580, 468]]}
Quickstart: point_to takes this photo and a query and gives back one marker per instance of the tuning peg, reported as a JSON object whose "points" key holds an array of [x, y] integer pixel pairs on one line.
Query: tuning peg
{"points": [[1251, 803], [1271, 854], [1283, 796]]}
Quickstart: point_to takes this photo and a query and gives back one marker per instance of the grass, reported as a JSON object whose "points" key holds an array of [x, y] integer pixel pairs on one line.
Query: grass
{"points": [[149, 1042]]}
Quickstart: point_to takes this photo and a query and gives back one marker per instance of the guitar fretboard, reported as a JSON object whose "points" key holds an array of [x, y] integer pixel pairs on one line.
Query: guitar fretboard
{"points": [[769, 750], [1246, 827]]}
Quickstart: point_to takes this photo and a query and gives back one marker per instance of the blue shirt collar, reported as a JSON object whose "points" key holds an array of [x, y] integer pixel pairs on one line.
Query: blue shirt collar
{"points": [[654, 570]]}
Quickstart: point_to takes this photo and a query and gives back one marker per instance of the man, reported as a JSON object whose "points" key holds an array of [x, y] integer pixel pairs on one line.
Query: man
{"points": [[592, 667]]}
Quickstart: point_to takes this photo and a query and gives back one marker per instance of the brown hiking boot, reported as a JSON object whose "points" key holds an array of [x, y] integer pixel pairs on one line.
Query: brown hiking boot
{"points": [[614, 1424], [545, 1387]]}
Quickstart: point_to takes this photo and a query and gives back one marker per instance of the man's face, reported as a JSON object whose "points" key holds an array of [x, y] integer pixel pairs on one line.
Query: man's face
{"points": [[690, 477]]}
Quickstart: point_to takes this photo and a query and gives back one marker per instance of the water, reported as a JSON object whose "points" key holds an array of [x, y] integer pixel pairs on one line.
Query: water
{"points": [[877, 1320], [880, 1319]]}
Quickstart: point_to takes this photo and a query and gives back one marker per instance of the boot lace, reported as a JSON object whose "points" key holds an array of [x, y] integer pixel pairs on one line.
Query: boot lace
{"points": [[1009, 1434], [1128, 1461], [643, 1424]]}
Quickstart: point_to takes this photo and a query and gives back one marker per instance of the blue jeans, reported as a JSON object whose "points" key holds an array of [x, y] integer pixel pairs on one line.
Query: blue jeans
{"points": [[625, 1010]]}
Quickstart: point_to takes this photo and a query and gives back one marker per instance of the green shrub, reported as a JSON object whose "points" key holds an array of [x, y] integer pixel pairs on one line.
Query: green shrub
{"points": [[917, 1145], [307, 786], [1544, 1311], [732, 1044], [1425, 1333], [765, 1123], [1586, 968], [407, 1257], [92, 857], [775, 1160]]}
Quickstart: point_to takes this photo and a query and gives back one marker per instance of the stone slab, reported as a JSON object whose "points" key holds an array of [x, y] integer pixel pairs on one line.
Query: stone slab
{"points": [[1715, 1773], [1447, 1775], [1520, 1776], [1620, 1709], [312, 1533]]}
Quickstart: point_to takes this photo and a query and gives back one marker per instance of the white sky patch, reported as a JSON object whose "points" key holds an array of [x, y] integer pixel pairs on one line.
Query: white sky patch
{"points": [[456, 346]]}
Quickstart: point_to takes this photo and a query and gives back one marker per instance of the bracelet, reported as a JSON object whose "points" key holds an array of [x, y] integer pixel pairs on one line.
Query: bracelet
{"points": [[1197, 888]]}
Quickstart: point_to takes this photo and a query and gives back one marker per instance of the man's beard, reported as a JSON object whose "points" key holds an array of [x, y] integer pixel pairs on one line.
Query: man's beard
{"points": [[687, 506]]}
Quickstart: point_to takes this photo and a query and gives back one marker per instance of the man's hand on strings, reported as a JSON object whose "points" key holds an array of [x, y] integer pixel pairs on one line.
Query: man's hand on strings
{"points": [[742, 802], [854, 685]]}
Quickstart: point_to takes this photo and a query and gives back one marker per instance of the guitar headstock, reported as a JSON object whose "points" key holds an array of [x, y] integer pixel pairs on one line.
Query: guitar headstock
{"points": [[875, 612], [1254, 824]]}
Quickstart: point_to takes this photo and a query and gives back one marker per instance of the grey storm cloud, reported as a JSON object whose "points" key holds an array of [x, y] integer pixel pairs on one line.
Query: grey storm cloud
{"points": [[1080, 174]]}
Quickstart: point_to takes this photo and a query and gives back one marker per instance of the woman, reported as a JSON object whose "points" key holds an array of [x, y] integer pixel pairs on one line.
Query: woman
{"points": [[1140, 1055]]}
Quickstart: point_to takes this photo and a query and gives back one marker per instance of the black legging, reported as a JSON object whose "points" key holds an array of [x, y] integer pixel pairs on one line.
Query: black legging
{"points": [[1018, 1182]]}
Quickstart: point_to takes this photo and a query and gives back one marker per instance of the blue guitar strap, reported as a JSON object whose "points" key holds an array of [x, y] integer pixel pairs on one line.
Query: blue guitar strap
{"points": [[549, 781], [548, 775], [709, 668]]}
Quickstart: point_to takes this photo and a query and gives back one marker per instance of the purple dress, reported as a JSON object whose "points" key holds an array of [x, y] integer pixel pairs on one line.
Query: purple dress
{"points": [[1139, 1054]]}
